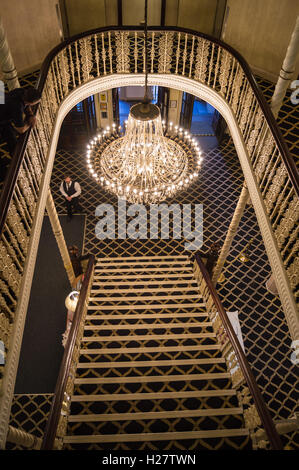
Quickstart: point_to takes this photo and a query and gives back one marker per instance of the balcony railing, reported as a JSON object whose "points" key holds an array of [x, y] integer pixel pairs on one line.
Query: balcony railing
{"points": [[112, 51], [256, 414], [57, 421]]}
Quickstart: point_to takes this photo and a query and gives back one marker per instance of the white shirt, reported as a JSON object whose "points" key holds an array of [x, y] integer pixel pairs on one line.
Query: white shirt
{"points": [[77, 188]]}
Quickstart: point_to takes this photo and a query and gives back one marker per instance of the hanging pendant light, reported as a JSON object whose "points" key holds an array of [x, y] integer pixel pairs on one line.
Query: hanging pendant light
{"points": [[150, 162]]}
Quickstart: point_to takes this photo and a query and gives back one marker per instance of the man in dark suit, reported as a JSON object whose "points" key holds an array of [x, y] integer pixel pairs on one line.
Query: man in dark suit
{"points": [[16, 114], [71, 191]]}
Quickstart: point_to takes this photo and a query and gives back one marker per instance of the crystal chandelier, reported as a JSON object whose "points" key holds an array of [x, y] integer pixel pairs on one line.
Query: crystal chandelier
{"points": [[149, 162], [144, 165]]}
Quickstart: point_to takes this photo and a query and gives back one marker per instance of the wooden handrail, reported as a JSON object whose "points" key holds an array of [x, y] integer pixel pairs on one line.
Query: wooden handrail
{"points": [[290, 165], [55, 412], [11, 177], [262, 410]]}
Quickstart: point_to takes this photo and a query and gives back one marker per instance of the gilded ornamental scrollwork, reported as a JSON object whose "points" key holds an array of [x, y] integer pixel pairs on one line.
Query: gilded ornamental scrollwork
{"points": [[9, 271], [201, 62], [293, 272], [238, 82], [122, 52], [165, 52], [226, 60], [86, 62], [64, 70], [263, 160], [276, 186], [288, 221], [17, 227]]}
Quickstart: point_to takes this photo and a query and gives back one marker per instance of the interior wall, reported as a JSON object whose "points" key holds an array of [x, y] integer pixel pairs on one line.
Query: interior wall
{"points": [[261, 30], [133, 12], [198, 15], [32, 30], [85, 15]]}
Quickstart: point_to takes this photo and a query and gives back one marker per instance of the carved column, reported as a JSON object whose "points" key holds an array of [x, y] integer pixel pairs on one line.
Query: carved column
{"points": [[25, 439], [6, 61], [57, 230], [22, 438], [233, 227], [287, 70]]}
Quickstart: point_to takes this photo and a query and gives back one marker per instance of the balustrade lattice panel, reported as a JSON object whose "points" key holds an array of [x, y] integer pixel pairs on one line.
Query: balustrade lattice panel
{"points": [[30, 413]]}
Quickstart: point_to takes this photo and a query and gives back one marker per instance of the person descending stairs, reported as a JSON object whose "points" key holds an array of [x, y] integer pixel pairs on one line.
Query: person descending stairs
{"points": [[151, 375]]}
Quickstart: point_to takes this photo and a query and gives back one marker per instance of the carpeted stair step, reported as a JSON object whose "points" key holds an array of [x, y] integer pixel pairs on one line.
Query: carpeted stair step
{"points": [[147, 363], [176, 446], [110, 341], [173, 436], [152, 378], [133, 259], [152, 395], [133, 298], [179, 276], [147, 327], [170, 357], [88, 370], [146, 306], [183, 262], [152, 383], [81, 418], [139, 270], [204, 381], [207, 350], [142, 402], [157, 422], [150, 371], [156, 283], [141, 290], [97, 318]]}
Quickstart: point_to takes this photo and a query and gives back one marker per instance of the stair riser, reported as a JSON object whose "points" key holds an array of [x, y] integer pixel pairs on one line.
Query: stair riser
{"points": [[169, 358], [95, 418], [88, 372], [159, 436], [197, 306], [189, 424], [146, 341], [193, 327], [144, 291], [151, 387], [144, 260], [140, 276], [158, 283], [210, 350]]}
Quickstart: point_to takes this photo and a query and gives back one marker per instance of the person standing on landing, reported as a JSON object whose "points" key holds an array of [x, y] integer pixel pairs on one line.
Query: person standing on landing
{"points": [[71, 191], [16, 114]]}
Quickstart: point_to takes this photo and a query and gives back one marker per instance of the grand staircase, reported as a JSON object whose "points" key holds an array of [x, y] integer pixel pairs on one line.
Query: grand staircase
{"points": [[151, 375]]}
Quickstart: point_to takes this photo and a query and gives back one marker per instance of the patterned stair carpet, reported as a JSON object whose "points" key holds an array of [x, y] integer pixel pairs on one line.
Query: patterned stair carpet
{"points": [[151, 375], [42, 348]]}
